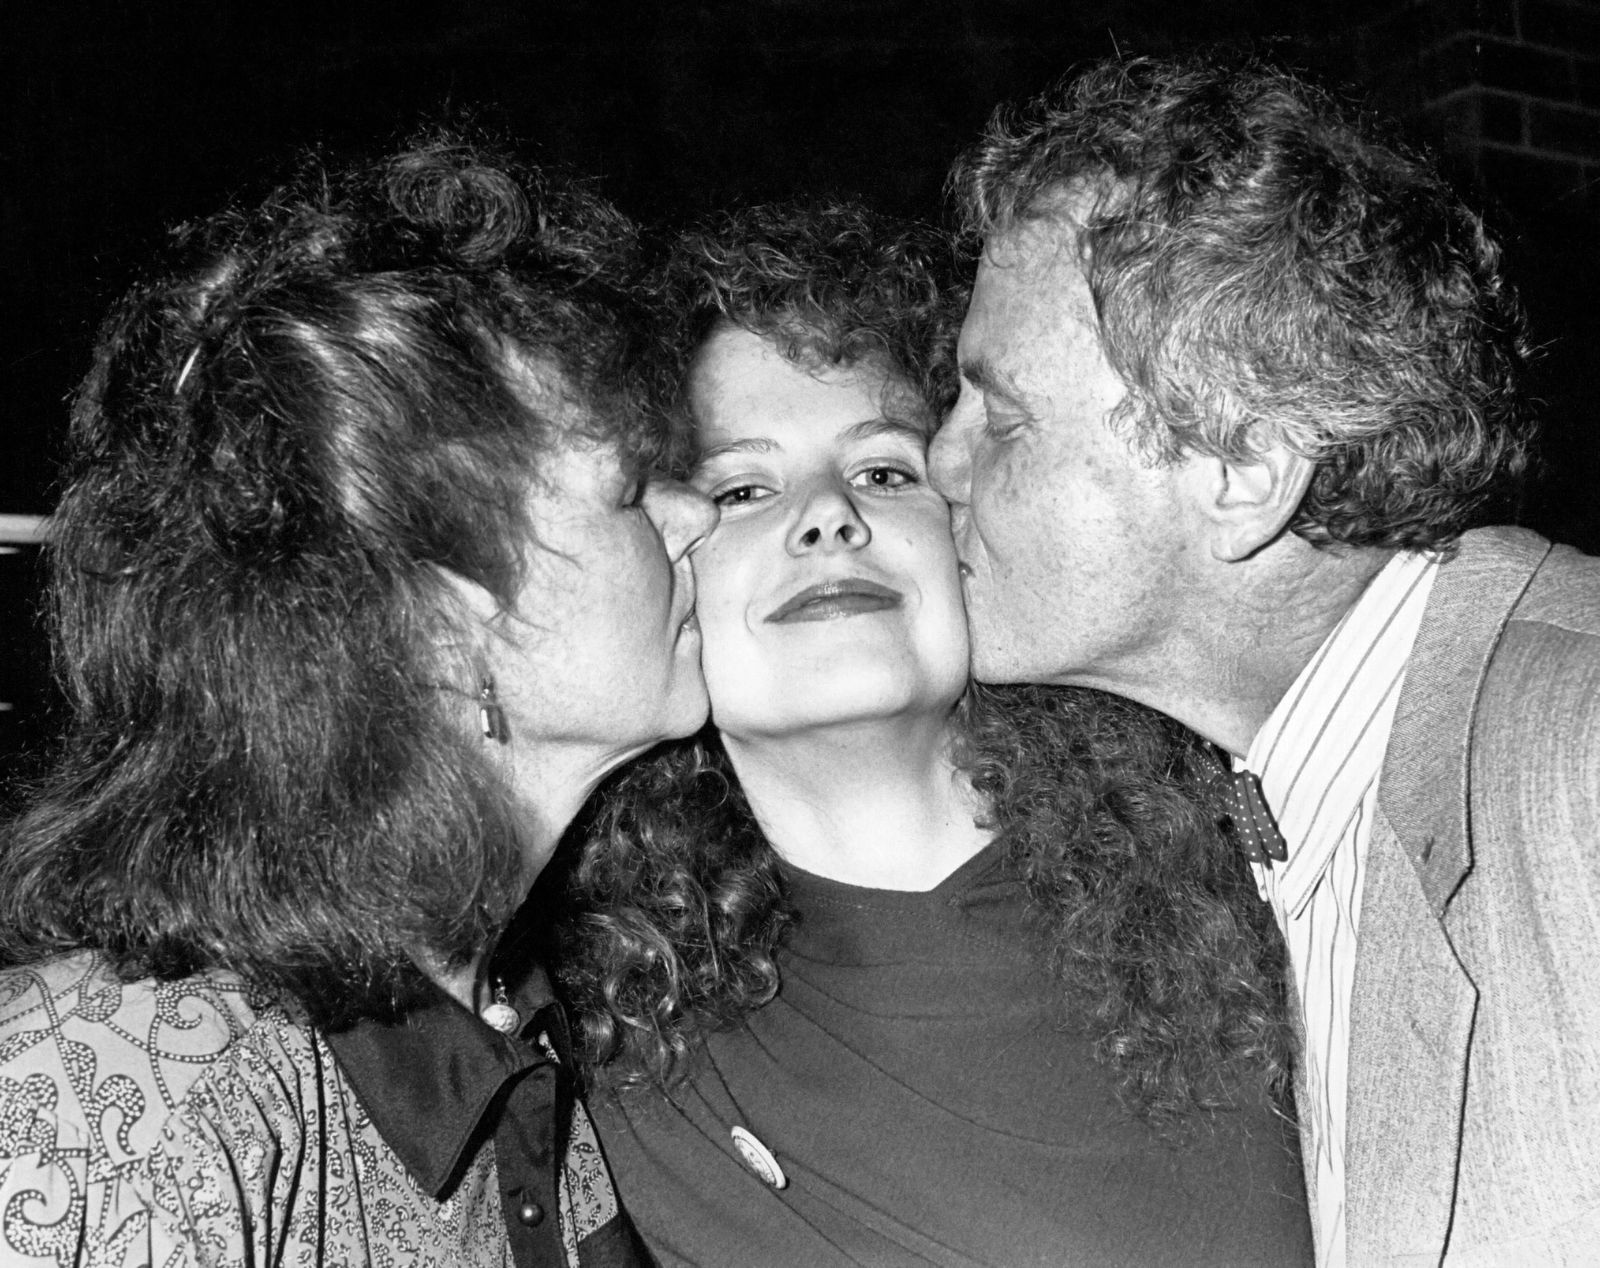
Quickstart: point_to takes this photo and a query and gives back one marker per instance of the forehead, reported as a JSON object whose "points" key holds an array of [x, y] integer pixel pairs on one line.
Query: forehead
{"points": [[608, 422], [1031, 325], [1031, 273], [742, 384]]}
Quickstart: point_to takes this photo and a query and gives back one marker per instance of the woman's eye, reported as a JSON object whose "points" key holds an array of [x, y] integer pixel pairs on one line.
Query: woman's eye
{"points": [[884, 478], [738, 494]]}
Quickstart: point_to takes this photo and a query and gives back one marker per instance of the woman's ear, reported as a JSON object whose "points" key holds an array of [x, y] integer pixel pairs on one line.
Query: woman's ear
{"points": [[467, 603], [464, 648], [464, 631], [1246, 503]]}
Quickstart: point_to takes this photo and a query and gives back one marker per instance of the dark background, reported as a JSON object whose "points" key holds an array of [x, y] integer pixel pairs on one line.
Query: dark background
{"points": [[121, 119]]}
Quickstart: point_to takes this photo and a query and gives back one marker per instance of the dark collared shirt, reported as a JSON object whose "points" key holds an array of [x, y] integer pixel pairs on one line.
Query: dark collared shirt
{"points": [[439, 1085]]}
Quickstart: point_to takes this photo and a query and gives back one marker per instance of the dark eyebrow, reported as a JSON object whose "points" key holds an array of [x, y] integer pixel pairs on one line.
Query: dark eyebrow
{"points": [[886, 426], [736, 446], [864, 430]]}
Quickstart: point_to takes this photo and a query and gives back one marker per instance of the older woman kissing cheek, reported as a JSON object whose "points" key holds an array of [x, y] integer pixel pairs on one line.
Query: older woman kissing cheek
{"points": [[360, 588]]}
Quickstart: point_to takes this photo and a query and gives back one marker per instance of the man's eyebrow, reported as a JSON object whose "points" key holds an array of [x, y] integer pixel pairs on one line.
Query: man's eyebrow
{"points": [[983, 375]]}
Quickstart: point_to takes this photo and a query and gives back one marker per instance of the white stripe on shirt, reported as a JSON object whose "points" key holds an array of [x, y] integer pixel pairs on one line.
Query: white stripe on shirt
{"points": [[1319, 756]]}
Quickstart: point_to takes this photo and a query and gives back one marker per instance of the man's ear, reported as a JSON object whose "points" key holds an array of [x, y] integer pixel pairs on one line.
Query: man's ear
{"points": [[1246, 503]]}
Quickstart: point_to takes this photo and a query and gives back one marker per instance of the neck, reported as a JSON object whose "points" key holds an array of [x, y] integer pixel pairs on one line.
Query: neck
{"points": [[1252, 638], [460, 983], [878, 803], [551, 784]]}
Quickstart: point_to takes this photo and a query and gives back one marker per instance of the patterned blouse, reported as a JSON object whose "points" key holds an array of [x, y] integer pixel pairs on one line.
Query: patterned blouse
{"points": [[199, 1122]]}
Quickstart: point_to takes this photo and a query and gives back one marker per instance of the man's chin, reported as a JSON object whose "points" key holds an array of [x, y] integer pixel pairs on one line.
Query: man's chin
{"points": [[994, 666]]}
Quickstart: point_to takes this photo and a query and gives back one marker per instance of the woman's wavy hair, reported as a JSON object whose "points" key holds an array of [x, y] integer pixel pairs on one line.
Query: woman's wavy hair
{"points": [[1266, 266], [289, 435], [675, 910]]}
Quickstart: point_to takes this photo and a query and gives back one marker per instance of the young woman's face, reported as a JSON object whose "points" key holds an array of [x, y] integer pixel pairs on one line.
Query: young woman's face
{"points": [[828, 593]]}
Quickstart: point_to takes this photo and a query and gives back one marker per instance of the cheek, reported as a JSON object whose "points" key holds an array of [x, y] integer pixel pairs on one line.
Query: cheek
{"points": [[723, 595], [646, 557], [1004, 507]]}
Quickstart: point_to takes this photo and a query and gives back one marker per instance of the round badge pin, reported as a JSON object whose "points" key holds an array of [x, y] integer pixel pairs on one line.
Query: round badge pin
{"points": [[759, 1158]]}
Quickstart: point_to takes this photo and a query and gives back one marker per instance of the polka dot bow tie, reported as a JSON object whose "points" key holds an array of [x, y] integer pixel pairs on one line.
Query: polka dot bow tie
{"points": [[1250, 821]]}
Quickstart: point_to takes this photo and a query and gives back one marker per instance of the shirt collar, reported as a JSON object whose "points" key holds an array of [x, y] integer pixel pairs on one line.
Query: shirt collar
{"points": [[428, 1080], [1322, 747]]}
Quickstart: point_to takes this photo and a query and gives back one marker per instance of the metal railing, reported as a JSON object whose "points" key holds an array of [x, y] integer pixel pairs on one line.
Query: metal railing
{"points": [[17, 531], [20, 530]]}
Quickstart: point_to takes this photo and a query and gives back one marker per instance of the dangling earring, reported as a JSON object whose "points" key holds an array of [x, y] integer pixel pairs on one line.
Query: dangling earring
{"points": [[500, 1014], [491, 717]]}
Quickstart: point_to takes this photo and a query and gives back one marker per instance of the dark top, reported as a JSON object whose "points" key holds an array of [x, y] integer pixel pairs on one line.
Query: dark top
{"points": [[927, 1099]]}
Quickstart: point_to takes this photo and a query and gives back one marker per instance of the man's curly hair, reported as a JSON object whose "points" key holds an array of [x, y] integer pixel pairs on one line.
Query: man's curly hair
{"points": [[675, 912], [1267, 266]]}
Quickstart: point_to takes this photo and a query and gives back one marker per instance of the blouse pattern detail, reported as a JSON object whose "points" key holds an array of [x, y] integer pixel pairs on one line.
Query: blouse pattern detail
{"points": [[149, 1125]]}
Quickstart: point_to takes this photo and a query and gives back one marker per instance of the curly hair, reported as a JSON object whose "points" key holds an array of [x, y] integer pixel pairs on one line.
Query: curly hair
{"points": [[287, 434], [1267, 267], [675, 911], [677, 908], [828, 284]]}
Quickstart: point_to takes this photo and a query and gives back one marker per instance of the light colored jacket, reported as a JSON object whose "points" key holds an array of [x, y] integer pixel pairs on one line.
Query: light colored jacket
{"points": [[1473, 1130]]}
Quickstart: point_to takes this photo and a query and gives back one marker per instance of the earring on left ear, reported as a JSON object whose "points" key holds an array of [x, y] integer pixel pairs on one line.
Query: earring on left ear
{"points": [[491, 717]]}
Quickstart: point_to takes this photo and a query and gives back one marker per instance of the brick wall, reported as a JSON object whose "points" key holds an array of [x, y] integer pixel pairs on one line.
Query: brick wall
{"points": [[1508, 93], [1509, 89]]}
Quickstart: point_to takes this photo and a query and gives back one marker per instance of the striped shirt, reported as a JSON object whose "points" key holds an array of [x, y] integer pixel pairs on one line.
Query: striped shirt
{"points": [[1319, 756]]}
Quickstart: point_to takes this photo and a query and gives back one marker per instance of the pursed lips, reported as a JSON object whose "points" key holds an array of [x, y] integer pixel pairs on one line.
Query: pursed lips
{"points": [[829, 600]]}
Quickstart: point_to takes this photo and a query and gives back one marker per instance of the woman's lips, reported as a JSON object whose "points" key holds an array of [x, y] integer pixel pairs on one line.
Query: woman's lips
{"points": [[830, 600]]}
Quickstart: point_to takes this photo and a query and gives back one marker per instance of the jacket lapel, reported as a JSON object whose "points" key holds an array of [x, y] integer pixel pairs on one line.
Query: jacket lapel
{"points": [[1411, 1014]]}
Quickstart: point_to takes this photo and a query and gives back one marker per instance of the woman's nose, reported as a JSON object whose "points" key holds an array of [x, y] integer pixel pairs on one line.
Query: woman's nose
{"points": [[683, 515], [829, 521]]}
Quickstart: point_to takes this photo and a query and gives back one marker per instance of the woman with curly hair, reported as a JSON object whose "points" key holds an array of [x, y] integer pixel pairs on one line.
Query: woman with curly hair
{"points": [[358, 590], [885, 968]]}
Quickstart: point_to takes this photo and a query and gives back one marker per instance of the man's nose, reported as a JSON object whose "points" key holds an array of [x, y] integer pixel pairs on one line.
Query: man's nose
{"points": [[950, 457]]}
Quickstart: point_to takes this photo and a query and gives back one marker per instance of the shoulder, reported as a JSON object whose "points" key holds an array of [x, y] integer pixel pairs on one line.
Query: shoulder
{"points": [[77, 1042], [112, 1093], [1519, 576], [93, 1070], [1543, 677], [1536, 725], [1512, 635], [1564, 594]]}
